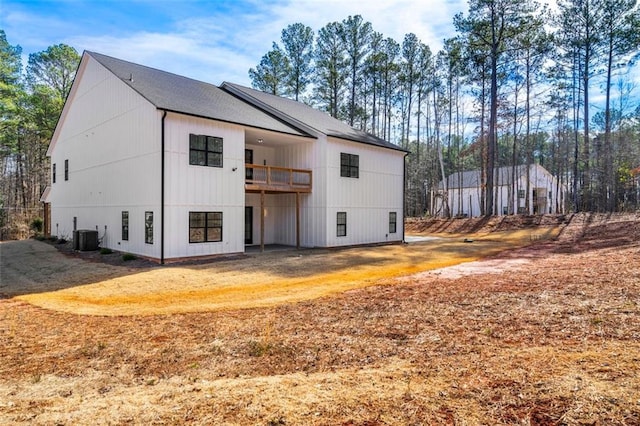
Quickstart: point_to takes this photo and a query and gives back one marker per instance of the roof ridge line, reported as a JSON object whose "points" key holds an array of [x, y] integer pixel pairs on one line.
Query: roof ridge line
{"points": [[233, 89]]}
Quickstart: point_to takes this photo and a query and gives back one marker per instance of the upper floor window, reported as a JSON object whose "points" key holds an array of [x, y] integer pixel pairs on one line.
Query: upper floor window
{"points": [[349, 165], [520, 193], [53, 173], [66, 169], [205, 150]]}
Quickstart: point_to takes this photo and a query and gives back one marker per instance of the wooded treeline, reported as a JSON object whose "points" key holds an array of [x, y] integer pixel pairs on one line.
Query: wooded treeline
{"points": [[30, 103], [518, 84]]}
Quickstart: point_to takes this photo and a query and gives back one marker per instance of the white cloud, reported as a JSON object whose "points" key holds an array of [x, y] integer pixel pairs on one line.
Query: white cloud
{"points": [[431, 21], [213, 41]]}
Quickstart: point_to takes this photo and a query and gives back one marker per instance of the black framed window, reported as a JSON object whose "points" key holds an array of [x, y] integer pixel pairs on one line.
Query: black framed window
{"points": [[349, 165], [148, 227], [125, 226], [205, 227], [205, 150], [66, 169], [53, 173], [341, 221], [393, 222], [520, 193], [248, 159]]}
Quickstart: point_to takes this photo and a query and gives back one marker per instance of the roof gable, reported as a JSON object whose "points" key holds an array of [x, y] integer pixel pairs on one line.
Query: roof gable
{"points": [[180, 94], [230, 103]]}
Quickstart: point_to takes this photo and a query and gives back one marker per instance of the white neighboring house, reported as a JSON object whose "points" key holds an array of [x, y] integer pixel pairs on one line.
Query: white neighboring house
{"points": [[167, 168], [543, 190]]}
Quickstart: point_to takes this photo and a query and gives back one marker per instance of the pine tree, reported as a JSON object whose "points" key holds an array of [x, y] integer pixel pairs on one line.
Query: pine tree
{"points": [[356, 36], [272, 73], [297, 40], [331, 69]]}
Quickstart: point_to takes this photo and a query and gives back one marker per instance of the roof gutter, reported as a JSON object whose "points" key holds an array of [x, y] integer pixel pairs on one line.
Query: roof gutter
{"points": [[162, 143]]}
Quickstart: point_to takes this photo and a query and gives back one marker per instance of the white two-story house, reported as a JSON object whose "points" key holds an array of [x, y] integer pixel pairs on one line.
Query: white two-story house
{"points": [[524, 189], [167, 167]]}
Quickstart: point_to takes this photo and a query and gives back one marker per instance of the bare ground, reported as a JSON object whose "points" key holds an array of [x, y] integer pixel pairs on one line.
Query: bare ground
{"points": [[549, 334], [92, 284]]}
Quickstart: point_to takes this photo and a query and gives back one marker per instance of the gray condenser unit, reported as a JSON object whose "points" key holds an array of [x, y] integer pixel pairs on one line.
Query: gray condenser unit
{"points": [[85, 240]]}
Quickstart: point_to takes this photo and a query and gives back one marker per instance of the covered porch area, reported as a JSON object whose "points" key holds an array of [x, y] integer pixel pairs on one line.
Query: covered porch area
{"points": [[278, 180], [272, 206]]}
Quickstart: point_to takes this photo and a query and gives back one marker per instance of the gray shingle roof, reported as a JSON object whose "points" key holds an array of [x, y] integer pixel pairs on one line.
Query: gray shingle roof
{"points": [[231, 103], [176, 93], [304, 117]]}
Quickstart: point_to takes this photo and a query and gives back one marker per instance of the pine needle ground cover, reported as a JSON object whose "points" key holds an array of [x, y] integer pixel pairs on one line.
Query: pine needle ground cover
{"points": [[550, 338]]}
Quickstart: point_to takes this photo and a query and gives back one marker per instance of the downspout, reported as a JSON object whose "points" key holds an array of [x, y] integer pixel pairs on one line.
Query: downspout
{"points": [[404, 183], [164, 115]]}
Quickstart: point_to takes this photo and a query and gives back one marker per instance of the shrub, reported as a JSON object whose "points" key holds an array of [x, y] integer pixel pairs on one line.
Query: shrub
{"points": [[40, 237], [37, 224], [258, 349], [128, 256], [105, 250]]}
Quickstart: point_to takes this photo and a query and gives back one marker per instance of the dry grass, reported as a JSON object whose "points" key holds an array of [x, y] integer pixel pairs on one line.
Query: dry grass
{"points": [[554, 339], [265, 280]]}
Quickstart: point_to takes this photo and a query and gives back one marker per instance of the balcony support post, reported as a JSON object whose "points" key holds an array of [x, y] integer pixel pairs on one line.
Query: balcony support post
{"points": [[297, 220], [261, 221]]}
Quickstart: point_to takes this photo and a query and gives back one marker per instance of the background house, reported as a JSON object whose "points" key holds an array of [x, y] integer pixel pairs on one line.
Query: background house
{"points": [[168, 167], [525, 189]]}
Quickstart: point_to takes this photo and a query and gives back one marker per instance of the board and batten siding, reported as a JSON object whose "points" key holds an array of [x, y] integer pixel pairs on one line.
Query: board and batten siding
{"points": [[190, 188], [368, 199], [111, 137], [308, 154]]}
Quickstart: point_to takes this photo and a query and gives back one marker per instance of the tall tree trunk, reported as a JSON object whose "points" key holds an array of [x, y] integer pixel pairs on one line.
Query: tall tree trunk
{"points": [[491, 142], [577, 199], [483, 144], [609, 181], [586, 148], [445, 193], [512, 196]]}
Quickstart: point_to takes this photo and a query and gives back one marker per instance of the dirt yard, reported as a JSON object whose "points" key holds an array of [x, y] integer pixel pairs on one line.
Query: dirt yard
{"points": [[105, 286], [544, 334]]}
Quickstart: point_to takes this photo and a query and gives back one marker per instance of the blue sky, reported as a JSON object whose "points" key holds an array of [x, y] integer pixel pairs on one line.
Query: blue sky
{"points": [[213, 41]]}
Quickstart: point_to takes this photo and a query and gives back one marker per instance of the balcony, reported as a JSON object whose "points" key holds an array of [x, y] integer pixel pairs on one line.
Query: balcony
{"points": [[276, 179]]}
